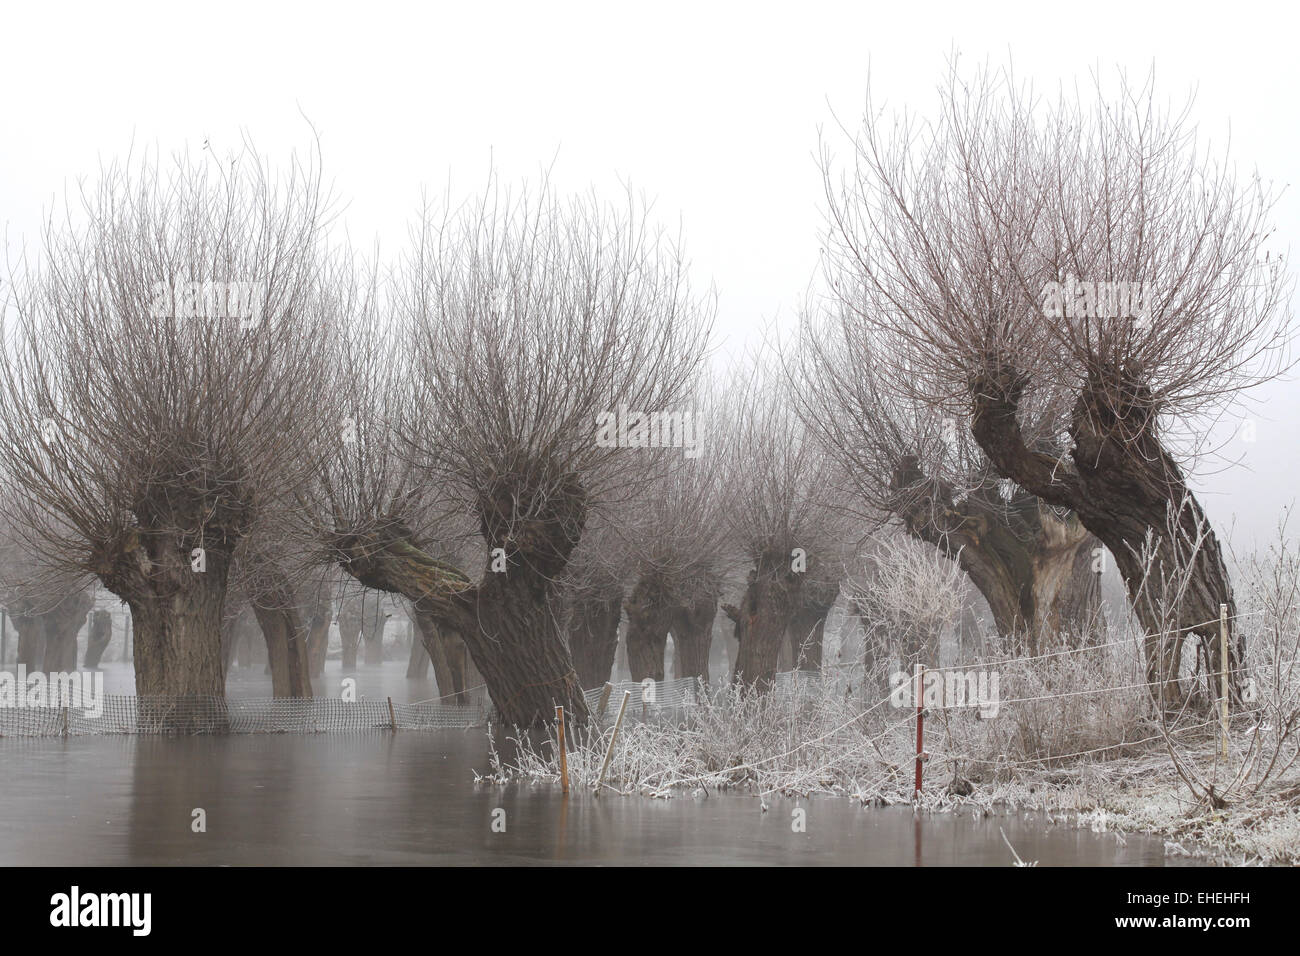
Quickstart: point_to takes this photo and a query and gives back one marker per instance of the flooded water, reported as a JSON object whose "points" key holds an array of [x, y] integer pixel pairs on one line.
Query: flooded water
{"points": [[379, 680], [409, 798]]}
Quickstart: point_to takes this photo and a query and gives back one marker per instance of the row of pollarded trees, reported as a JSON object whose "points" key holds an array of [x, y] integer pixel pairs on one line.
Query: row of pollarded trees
{"points": [[433, 434], [786, 519], [176, 442]]}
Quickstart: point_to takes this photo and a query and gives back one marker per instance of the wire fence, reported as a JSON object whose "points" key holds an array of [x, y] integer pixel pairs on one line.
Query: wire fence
{"points": [[123, 714], [649, 700]]}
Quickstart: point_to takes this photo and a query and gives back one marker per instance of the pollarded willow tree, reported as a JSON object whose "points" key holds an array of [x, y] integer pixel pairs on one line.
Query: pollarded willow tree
{"points": [[592, 592], [46, 604], [164, 374], [523, 320], [904, 461], [289, 598], [368, 493], [785, 516], [681, 553], [1084, 255]]}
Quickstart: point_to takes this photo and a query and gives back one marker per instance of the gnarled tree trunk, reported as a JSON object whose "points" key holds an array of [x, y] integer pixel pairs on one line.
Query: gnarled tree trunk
{"points": [[47, 632], [286, 650], [319, 614], [287, 639], [31, 638], [1030, 565], [593, 635], [1124, 487], [62, 623], [175, 586], [446, 650], [419, 659], [648, 620], [762, 618], [692, 628], [508, 621]]}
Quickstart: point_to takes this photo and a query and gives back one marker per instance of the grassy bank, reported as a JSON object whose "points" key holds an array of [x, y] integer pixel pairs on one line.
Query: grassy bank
{"points": [[1073, 735]]}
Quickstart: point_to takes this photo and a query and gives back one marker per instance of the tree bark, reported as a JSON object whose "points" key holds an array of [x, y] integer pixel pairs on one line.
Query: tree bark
{"points": [[807, 626], [1022, 558], [762, 619], [62, 624], [31, 639], [692, 629], [417, 664], [507, 621], [101, 633], [318, 633], [47, 636], [648, 620], [176, 616], [593, 635], [450, 657], [286, 648]]}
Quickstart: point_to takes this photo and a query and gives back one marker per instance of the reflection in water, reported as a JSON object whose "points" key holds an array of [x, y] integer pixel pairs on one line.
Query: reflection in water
{"points": [[409, 798]]}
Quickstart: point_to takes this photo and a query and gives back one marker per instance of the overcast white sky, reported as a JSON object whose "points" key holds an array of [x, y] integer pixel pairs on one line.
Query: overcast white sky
{"points": [[713, 109]]}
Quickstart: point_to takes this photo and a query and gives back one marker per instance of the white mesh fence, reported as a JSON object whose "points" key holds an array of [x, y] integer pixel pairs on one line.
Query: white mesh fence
{"points": [[127, 714]]}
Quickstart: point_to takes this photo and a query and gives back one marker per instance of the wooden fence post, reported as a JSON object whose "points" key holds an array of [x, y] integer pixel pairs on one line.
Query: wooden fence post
{"points": [[1223, 678], [920, 725], [564, 756], [609, 752]]}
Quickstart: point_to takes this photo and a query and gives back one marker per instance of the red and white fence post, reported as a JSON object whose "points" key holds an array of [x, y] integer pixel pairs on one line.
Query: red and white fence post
{"points": [[918, 683]]}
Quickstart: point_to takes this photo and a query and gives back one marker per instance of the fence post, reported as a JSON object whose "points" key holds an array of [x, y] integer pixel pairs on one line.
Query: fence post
{"points": [[919, 681], [1223, 678], [564, 756], [392, 716], [609, 752], [65, 721]]}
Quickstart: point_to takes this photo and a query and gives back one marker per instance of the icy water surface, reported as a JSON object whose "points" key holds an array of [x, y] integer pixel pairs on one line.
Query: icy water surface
{"points": [[409, 798]]}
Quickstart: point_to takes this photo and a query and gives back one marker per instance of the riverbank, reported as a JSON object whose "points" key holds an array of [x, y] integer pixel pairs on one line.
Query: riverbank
{"points": [[1101, 764]]}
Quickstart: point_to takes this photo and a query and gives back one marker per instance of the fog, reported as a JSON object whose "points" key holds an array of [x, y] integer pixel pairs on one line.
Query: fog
{"points": [[714, 113]]}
